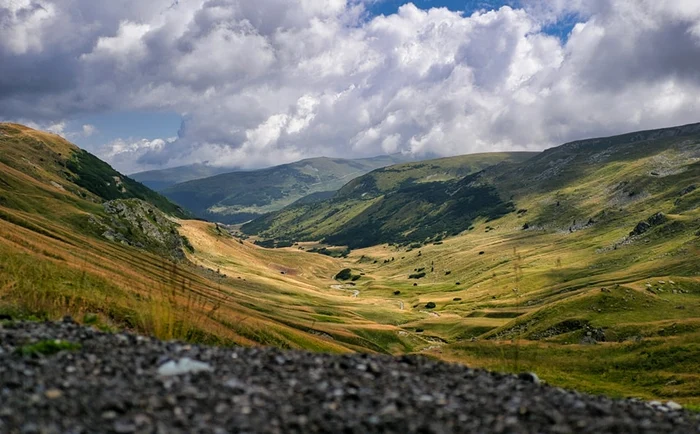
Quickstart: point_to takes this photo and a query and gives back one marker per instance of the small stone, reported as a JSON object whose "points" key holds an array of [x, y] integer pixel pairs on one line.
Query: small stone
{"points": [[53, 394], [183, 366], [530, 377], [674, 406], [124, 427], [109, 415]]}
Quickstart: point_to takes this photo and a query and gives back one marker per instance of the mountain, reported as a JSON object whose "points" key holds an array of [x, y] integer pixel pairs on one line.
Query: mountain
{"points": [[159, 180], [374, 208], [241, 196], [78, 238], [49, 159], [591, 282], [363, 214]]}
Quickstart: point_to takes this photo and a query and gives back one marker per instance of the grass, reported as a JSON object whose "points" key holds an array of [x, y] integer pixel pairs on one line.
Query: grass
{"points": [[651, 369], [47, 348]]}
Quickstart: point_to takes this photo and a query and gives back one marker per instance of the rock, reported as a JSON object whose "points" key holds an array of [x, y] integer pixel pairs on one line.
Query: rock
{"points": [[642, 227], [183, 366], [688, 189], [674, 406], [136, 223], [53, 394], [587, 340], [530, 377]]}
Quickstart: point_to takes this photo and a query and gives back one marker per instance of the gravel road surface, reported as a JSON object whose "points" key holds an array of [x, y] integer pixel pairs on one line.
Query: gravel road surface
{"points": [[123, 383]]}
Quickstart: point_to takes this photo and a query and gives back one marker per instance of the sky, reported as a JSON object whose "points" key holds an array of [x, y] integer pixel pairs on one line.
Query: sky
{"points": [[237, 83]]}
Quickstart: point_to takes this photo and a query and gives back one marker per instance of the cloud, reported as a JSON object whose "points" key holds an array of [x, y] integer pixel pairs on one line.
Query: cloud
{"points": [[89, 130], [133, 155], [270, 81]]}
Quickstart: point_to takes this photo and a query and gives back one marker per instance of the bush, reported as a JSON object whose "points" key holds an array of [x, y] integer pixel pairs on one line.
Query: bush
{"points": [[430, 305], [417, 275], [345, 274], [397, 292]]}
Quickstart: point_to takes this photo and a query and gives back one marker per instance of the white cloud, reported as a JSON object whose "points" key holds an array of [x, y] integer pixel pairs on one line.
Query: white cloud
{"points": [[89, 130], [123, 153], [270, 81]]}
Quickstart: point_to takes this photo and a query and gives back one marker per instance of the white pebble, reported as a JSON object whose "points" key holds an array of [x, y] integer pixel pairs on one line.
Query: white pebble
{"points": [[674, 406], [183, 366]]}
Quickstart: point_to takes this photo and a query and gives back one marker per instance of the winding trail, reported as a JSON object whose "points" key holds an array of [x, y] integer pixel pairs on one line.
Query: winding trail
{"points": [[355, 293]]}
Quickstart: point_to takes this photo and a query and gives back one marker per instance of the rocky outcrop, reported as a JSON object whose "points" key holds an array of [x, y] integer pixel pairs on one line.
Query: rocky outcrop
{"points": [[139, 224], [657, 219]]}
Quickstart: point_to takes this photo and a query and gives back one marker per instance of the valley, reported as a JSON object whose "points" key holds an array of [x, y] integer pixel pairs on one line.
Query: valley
{"points": [[590, 278]]}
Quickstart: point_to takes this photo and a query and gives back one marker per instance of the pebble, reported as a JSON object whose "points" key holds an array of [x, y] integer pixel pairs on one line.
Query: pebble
{"points": [[53, 394], [673, 406], [183, 366]]}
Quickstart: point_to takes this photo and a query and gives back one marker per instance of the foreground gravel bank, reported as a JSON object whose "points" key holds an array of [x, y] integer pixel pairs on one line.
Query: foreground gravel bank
{"points": [[123, 383]]}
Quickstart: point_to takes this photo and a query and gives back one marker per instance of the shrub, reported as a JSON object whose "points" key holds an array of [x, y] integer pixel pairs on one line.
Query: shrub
{"points": [[345, 274], [417, 275], [430, 305]]}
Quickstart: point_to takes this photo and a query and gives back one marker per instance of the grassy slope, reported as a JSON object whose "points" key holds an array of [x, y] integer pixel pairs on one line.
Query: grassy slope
{"points": [[50, 159], [364, 212], [51, 262], [239, 196]]}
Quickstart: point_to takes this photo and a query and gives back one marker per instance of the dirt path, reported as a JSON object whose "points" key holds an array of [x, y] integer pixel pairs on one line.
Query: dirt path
{"points": [[355, 292]]}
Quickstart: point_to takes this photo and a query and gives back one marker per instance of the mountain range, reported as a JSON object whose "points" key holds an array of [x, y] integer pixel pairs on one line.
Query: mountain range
{"points": [[159, 180], [237, 197]]}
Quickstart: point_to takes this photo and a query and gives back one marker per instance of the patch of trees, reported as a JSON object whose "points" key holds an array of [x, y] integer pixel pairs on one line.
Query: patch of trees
{"points": [[346, 274]]}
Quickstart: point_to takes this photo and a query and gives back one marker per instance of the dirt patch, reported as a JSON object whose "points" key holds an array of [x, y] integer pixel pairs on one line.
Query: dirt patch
{"points": [[284, 270]]}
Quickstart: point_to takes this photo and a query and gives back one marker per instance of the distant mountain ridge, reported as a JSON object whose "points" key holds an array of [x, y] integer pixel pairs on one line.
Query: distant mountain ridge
{"points": [[240, 196], [159, 180], [569, 179]]}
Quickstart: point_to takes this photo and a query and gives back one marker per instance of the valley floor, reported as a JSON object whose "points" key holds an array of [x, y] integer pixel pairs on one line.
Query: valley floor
{"points": [[528, 302]]}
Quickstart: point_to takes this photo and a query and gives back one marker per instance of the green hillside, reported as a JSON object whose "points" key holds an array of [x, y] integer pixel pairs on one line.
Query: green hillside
{"points": [[159, 180], [400, 203], [237, 197], [49, 158]]}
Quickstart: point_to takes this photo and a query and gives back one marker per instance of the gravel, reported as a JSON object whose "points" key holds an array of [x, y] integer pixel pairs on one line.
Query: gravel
{"points": [[112, 384]]}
